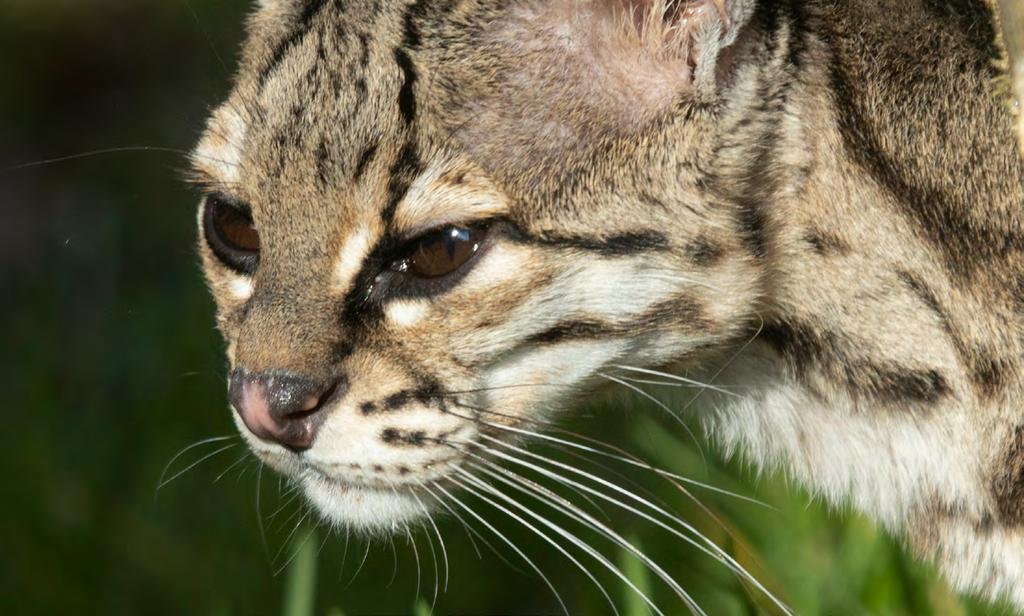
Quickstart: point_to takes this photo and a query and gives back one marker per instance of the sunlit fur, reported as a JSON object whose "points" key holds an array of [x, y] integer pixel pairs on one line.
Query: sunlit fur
{"points": [[797, 201]]}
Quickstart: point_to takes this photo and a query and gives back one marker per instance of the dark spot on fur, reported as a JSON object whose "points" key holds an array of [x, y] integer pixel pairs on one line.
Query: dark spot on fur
{"points": [[368, 408], [390, 435], [1008, 484], [395, 401], [364, 161], [704, 252], [806, 350], [404, 470], [986, 371], [825, 244], [377, 468]]}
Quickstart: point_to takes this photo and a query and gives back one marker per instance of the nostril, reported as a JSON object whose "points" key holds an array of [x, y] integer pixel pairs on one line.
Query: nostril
{"points": [[282, 407]]}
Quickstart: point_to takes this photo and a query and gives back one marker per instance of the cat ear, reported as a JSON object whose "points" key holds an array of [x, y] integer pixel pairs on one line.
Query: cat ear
{"points": [[688, 33]]}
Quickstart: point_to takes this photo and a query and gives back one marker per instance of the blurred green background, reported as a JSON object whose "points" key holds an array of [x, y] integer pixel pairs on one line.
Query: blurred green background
{"points": [[112, 366]]}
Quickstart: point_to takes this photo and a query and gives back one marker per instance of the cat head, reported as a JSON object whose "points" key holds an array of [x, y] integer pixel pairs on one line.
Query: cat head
{"points": [[431, 226]]}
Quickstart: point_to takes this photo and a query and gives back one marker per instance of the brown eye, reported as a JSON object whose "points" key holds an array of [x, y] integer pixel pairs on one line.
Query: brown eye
{"points": [[230, 232], [443, 252]]}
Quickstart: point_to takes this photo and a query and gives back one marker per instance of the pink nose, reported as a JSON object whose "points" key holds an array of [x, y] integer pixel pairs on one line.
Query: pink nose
{"points": [[281, 408]]}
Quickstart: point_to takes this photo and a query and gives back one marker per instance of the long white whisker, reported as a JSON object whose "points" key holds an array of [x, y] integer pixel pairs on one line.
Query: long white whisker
{"points": [[508, 542], [288, 539], [625, 460], [440, 540], [295, 553], [578, 514], [231, 466], [712, 550], [259, 515], [394, 561], [660, 405], [556, 528], [437, 571], [675, 377], [359, 569], [183, 451], [194, 464], [718, 373], [470, 531], [416, 555]]}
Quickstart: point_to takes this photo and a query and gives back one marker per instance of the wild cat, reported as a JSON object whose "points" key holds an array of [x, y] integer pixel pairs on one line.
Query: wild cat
{"points": [[432, 225]]}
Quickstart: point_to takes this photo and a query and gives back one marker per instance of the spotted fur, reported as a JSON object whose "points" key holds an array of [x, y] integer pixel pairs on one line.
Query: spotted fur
{"points": [[818, 202]]}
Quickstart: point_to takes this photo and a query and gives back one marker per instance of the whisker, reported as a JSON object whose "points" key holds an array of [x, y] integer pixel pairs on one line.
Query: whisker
{"points": [[309, 535], [437, 532], [437, 571], [259, 515], [362, 562], [416, 553], [712, 550], [470, 531], [729, 362], [508, 542], [106, 151], [287, 540], [577, 514], [394, 561], [674, 377], [344, 556], [660, 405], [233, 465], [194, 464], [565, 534], [629, 459], [186, 449]]}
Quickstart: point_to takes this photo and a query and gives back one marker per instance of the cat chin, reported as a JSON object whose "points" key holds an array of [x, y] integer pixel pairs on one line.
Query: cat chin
{"points": [[363, 509]]}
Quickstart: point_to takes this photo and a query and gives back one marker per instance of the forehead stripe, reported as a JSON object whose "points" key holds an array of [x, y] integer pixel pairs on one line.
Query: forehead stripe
{"points": [[310, 11], [404, 170]]}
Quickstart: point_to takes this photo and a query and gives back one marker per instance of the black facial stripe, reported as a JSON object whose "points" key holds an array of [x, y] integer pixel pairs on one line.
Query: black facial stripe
{"points": [[581, 329], [683, 311], [806, 349], [406, 94], [310, 11], [620, 245]]}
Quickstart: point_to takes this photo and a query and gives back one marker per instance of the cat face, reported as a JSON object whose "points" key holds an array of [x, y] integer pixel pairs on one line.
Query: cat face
{"points": [[427, 228]]}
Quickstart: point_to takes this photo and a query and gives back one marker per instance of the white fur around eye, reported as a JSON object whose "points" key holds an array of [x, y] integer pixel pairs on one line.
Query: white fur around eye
{"points": [[350, 260], [241, 288], [406, 313]]}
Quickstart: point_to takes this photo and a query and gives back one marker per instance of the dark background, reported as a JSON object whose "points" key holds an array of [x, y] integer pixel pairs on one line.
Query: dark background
{"points": [[111, 365]]}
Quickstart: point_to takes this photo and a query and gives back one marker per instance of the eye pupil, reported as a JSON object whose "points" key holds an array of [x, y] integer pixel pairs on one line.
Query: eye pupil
{"points": [[444, 252]]}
